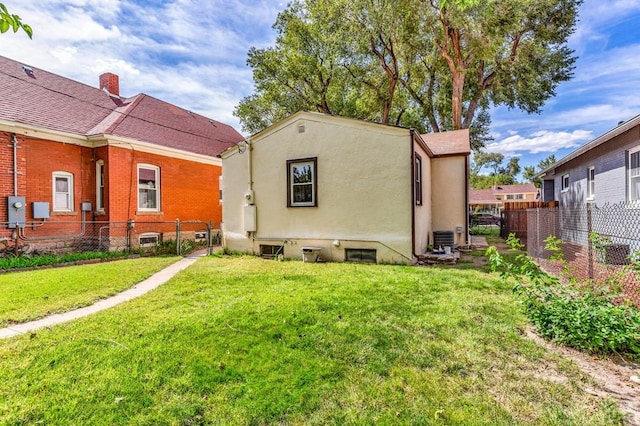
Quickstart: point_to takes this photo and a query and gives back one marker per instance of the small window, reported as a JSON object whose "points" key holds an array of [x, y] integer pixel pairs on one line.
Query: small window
{"points": [[302, 188], [634, 174], [148, 188], [149, 239], [591, 183], [100, 185], [271, 251], [418, 179], [62, 192], [514, 197], [565, 183], [361, 255]]}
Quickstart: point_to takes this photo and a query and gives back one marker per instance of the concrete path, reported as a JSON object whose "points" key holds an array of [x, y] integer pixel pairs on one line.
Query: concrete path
{"points": [[137, 290], [479, 242]]}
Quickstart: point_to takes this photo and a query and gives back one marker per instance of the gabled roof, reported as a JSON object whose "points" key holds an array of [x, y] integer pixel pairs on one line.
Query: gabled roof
{"points": [[482, 196], [453, 142], [618, 130], [35, 97]]}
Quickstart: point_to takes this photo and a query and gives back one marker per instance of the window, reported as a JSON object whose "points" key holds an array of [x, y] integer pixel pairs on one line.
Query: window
{"points": [[418, 179], [514, 197], [302, 189], [149, 239], [565, 183], [591, 183], [634, 174], [361, 255], [148, 188], [62, 192], [100, 185]]}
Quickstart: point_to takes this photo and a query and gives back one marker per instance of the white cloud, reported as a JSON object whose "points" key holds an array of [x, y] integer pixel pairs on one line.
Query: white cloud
{"points": [[539, 142]]}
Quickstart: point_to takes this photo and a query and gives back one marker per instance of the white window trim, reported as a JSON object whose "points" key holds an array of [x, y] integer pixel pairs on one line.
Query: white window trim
{"points": [[591, 183], [157, 187], [69, 177], [565, 188], [630, 178], [149, 235], [99, 184]]}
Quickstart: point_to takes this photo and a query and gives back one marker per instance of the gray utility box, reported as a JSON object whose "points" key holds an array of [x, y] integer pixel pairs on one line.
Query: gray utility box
{"points": [[16, 212], [40, 210]]}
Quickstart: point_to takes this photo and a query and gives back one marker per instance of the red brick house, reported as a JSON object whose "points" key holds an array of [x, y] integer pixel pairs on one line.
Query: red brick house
{"points": [[72, 153]]}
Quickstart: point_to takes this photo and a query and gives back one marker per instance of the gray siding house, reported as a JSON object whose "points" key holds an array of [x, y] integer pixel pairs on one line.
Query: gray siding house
{"points": [[598, 188], [606, 170]]}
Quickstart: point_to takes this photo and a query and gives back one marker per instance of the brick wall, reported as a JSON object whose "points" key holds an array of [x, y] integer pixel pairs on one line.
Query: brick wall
{"points": [[189, 190]]}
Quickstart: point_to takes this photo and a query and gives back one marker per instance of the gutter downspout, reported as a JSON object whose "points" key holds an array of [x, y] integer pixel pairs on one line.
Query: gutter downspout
{"points": [[466, 201], [14, 140], [412, 203]]}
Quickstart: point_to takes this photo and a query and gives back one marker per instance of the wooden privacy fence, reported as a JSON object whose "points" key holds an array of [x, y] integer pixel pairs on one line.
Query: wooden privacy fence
{"points": [[515, 217]]}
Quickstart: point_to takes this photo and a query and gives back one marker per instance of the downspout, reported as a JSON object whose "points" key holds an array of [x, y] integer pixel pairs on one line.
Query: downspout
{"points": [[412, 202], [466, 199], [14, 140]]}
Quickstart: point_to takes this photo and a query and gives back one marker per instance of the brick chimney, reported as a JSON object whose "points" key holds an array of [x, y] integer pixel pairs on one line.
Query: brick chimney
{"points": [[111, 82]]}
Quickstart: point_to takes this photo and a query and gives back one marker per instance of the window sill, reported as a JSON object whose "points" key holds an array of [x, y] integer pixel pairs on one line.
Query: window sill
{"points": [[148, 213], [54, 213], [99, 213]]}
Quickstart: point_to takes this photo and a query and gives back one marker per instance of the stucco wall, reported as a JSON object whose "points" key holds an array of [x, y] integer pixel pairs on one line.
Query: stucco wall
{"points": [[449, 204], [364, 189], [423, 215]]}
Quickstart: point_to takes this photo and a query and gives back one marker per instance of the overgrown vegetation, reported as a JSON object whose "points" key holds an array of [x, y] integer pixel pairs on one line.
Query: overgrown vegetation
{"points": [[10, 261], [595, 317]]}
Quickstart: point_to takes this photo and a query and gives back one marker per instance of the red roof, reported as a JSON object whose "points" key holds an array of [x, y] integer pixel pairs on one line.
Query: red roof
{"points": [[36, 97]]}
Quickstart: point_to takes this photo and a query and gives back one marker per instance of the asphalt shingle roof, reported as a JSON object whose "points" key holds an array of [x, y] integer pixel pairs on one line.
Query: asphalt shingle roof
{"points": [[43, 99]]}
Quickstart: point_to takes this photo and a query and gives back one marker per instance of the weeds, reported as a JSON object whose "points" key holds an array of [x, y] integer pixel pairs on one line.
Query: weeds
{"points": [[575, 313]]}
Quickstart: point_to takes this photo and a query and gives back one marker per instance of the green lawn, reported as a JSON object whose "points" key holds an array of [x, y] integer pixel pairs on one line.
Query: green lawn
{"points": [[25, 296], [241, 340]]}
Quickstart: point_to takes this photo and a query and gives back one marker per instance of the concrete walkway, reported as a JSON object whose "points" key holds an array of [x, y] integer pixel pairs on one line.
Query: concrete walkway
{"points": [[137, 290]]}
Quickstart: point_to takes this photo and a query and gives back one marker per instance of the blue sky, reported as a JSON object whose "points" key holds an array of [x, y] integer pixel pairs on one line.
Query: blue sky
{"points": [[193, 54]]}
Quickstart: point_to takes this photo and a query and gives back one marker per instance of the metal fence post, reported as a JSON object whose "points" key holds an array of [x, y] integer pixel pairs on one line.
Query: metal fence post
{"points": [[210, 237], [178, 244]]}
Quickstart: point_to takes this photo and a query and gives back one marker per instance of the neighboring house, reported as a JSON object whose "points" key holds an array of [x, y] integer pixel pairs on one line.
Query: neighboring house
{"points": [[73, 153], [606, 170], [597, 188], [495, 199], [353, 190]]}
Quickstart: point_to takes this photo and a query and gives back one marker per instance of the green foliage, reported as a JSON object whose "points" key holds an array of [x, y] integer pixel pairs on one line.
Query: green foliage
{"points": [[245, 341], [580, 315], [10, 21], [11, 261], [433, 66]]}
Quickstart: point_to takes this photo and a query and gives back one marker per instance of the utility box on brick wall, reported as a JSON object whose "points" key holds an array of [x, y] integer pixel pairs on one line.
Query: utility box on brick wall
{"points": [[16, 214]]}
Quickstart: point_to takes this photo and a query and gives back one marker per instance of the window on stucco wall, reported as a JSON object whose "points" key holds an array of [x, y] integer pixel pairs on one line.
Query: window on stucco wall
{"points": [[302, 182]]}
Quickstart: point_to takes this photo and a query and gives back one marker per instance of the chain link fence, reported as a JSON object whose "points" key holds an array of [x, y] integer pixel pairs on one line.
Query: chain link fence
{"points": [[161, 237], [601, 245]]}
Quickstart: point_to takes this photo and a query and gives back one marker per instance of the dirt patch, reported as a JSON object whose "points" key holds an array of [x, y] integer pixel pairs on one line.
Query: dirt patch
{"points": [[614, 377]]}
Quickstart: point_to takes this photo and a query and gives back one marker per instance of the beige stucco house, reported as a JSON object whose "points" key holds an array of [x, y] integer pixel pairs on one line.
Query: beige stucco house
{"points": [[347, 189]]}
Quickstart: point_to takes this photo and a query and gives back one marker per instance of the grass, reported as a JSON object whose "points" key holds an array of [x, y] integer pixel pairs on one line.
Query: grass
{"points": [[242, 340], [26, 296]]}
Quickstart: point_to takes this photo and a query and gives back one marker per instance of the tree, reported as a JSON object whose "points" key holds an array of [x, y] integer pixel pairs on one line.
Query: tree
{"points": [[428, 64], [530, 171], [14, 22]]}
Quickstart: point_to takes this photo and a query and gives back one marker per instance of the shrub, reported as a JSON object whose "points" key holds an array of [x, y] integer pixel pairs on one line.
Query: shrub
{"points": [[572, 313]]}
